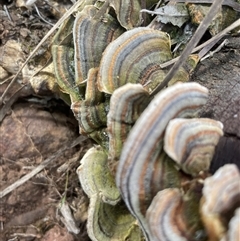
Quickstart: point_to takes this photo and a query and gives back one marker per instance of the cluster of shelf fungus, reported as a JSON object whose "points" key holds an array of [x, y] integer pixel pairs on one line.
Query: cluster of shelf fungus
{"points": [[148, 178]]}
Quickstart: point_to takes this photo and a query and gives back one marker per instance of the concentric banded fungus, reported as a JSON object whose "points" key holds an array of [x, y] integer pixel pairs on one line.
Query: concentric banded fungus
{"points": [[135, 172], [221, 196], [96, 178], [107, 218], [170, 217], [135, 58], [107, 222], [91, 113], [63, 55], [165, 175], [191, 143], [64, 70], [126, 105], [128, 12], [91, 37], [234, 227]]}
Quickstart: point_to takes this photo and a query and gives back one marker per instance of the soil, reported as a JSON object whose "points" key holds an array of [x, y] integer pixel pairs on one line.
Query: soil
{"points": [[32, 131], [38, 126]]}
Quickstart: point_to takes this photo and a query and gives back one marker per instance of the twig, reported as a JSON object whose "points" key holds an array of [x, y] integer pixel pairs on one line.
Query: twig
{"points": [[40, 15], [8, 14], [39, 168], [60, 21], [25, 235], [6, 80], [224, 43], [68, 218]]}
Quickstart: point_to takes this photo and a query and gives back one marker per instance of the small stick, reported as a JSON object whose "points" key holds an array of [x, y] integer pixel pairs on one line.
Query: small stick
{"points": [[39, 168], [224, 43], [25, 235], [40, 15], [192, 43], [8, 14], [60, 21]]}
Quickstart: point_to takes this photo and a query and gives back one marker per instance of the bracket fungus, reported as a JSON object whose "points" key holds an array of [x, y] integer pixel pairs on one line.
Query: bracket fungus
{"points": [[191, 143], [221, 197], [100, 182], [233, 233], [136, 57], [135, 172], [88, 50], [108, 217], [126, 105], [91, 112], [173, 216]]}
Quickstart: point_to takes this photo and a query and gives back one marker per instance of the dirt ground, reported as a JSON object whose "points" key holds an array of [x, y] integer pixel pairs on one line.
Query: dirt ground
{"points": [[33, 131], [37, 127]]}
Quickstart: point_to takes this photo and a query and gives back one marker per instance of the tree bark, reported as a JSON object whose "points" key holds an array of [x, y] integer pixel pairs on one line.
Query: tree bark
{"points": [[221, 75]]}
